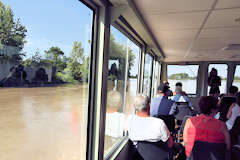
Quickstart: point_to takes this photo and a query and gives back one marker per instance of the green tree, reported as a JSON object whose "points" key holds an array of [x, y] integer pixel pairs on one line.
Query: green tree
{"points": [[12, 35], [180, 76], [54, 54], [79, 63]]}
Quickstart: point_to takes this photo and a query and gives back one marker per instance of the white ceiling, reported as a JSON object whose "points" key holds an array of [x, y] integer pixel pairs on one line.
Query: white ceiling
{"points": [[193, 30]]}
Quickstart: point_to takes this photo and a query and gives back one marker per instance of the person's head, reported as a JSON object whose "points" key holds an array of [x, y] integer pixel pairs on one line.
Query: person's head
{"points": [[114, 100], [213, 72], [208, 105], [165, 83], [141, 103], [178, 87], [163, 89], [214, 91], [233, 90]]}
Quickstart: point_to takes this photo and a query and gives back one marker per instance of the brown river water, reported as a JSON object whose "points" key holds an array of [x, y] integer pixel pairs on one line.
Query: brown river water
{"points": [[47, 123]]}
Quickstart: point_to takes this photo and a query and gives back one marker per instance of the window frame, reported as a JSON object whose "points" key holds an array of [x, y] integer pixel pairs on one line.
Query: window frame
{"points": [[151, 76]]}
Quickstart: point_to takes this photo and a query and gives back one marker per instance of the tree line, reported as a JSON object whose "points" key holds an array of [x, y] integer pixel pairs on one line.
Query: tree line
{"points": [[72, 68]]}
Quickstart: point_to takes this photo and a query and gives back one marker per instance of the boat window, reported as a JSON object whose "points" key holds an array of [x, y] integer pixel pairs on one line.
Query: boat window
{"points": [[45, 52], [186, 74], [122, 86], [156, 77], [147, 75], [236, 80], [222, 73]]}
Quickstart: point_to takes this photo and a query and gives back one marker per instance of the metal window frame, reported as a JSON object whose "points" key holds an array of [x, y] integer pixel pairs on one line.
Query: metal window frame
{"points": [[151, 77]]}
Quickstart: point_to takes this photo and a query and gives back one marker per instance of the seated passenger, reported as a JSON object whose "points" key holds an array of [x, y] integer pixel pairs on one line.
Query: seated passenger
{"points": [[214, 91], [233, 113], [148, 133], [226, 101], [162, 105], [205, 127], [181, 96], [114, 119]]}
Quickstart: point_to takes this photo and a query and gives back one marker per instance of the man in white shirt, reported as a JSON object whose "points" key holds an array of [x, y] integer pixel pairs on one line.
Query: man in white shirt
{"points": [[150, 134]]}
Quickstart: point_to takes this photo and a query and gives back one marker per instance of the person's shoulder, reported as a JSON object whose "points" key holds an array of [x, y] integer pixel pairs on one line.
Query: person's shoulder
{"points": [[155, 120]]}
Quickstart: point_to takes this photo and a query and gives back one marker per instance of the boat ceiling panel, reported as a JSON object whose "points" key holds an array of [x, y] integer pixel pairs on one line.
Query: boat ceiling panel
{"points": [[223, 18], [179, 21], [229, 32], [206, 25], [151, 7], [222, 4]]}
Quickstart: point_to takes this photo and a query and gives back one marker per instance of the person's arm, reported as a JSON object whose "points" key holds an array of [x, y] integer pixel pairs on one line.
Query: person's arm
{"points": [[229, 114], [185, 131], [173, 109], [226, 135]]}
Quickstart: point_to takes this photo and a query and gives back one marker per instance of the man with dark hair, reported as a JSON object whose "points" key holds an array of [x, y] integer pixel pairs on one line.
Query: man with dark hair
{"points": [[162, 105]]}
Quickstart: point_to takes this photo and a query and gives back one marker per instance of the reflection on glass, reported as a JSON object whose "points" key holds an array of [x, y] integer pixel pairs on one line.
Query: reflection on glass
{"points": [[156, 78], [122, 85], [147, 75], [186, 74], [222, 73], [236, 80], [44, 66]]}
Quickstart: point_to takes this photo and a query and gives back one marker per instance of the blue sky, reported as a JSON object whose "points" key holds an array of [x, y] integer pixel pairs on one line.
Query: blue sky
{"points": [[53, 23], [61, 22]]}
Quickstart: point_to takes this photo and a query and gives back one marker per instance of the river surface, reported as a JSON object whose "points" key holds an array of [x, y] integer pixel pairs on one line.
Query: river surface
{"points": [[46, 123], [49, 123]]}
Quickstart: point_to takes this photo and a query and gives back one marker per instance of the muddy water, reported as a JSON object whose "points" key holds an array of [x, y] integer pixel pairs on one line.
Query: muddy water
{"points": [[46, 123]]}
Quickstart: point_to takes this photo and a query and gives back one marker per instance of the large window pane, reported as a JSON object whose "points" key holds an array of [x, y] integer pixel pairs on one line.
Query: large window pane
{"points": [[44, 75], [132, 81], [222, 73], [122, 85], [156, 78], [147, 75], [187, 74], [236, 80]]}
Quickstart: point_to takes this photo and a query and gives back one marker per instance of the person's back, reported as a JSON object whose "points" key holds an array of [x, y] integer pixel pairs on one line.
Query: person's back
{"points": [[161, 105], [205, 128], [149, 129], [165, 106]]}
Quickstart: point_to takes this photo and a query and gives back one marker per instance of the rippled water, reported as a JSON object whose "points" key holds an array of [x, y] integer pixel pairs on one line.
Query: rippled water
{"points": [[46, 123]]}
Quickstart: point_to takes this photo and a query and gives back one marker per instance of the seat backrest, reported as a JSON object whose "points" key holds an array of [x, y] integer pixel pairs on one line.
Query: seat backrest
{"points": [[169, 120], [183, 124], [208, 151], [183, 110]]}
